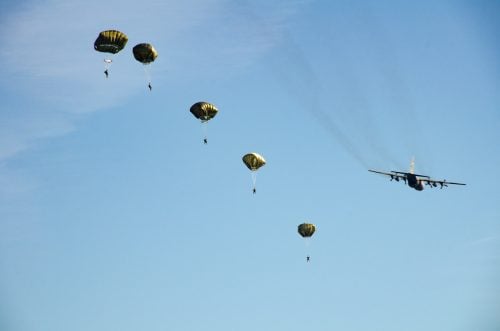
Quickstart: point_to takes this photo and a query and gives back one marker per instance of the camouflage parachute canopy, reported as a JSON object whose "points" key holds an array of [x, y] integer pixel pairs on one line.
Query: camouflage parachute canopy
{"points": [[253, 161], [110, 41], [203, 110], [306, 229], [145, 53]]}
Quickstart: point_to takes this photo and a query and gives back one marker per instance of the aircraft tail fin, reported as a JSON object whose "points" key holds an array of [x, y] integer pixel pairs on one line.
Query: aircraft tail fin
{"points": [[412, 165]]}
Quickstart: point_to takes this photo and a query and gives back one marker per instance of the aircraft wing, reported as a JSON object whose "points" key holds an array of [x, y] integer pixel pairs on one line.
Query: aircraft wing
{"points": [[440, 183], [393, 175], [410, 173]]}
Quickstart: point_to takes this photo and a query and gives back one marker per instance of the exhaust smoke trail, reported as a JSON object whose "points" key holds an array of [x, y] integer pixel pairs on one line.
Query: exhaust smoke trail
{"points": [[303, 84], [339, 117]]}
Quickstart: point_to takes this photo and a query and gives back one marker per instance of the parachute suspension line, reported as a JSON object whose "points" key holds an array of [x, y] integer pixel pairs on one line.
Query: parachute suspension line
{"points": [[306, 242], [254, 180], [148, 75], [307, 249], [204, 127], [107, 63]]}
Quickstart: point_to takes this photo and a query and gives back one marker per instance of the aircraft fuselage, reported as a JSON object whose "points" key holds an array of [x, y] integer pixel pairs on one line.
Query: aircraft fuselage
{"points": [[414, 182]]}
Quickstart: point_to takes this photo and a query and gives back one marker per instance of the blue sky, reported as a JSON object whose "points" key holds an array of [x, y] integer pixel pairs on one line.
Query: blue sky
{"points": [[115, 215]]}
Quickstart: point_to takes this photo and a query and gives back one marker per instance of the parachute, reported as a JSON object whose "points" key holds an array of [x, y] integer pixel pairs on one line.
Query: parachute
{"points": [[306, 230], [204, 111], [110, 41], [145, 53], [254, 161]]}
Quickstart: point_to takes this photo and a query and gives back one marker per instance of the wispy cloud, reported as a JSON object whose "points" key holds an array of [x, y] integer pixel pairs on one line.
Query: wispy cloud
{"points": [[48, 55], [483, 241], [17, 133]]}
